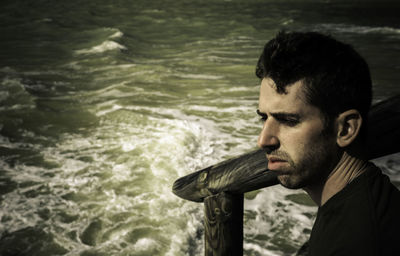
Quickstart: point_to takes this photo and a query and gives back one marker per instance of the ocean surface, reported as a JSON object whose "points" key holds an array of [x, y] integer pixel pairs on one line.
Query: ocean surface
{"points": [[104, 104]]}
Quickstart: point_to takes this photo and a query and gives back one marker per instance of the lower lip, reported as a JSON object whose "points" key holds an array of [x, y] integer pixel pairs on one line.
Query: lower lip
{"points": [[276, 165]]}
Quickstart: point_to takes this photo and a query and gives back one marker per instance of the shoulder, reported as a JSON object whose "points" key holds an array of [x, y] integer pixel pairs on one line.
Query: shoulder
{"points": [[385, 199], [362, 219]]}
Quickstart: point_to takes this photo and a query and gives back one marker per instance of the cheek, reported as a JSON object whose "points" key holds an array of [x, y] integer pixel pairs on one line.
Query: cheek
{"points": [[299, 145], [299, 153], [295, 147]]}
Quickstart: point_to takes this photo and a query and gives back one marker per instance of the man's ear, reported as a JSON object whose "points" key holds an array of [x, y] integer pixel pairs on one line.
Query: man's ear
{"points": [[348, 124]]}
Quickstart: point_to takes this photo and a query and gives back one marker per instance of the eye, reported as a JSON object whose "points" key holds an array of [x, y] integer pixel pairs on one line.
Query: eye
{"points": [[288, 121], [263, 116]]}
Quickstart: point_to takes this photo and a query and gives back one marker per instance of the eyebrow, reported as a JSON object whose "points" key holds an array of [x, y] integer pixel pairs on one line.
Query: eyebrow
{"points": [[280, 115]]}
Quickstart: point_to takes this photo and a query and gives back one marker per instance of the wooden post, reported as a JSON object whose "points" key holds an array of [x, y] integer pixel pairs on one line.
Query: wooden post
{"points": [[223, 225]]}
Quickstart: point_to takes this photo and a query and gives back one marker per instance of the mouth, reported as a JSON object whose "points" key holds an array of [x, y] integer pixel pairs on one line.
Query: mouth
{"points": [[275, 163]]}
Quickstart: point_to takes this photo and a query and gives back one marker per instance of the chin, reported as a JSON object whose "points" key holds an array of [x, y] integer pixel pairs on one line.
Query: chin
{"points": [[289, 182]]}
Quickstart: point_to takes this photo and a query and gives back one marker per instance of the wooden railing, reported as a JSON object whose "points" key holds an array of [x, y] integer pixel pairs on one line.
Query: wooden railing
{"points": [[221, 186]]}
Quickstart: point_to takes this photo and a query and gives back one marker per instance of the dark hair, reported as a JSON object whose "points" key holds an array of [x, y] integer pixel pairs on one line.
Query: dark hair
{"points": [[336, 78]]}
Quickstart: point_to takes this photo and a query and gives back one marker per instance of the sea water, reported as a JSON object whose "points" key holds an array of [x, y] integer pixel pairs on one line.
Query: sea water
{"points": [[104, 104]]}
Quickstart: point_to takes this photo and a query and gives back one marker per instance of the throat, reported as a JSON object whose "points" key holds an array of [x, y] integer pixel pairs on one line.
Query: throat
{"points": [[347, 169]]}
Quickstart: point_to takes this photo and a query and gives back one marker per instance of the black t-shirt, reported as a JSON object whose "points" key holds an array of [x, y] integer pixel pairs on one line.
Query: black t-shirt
{"points": [[361, 219]]}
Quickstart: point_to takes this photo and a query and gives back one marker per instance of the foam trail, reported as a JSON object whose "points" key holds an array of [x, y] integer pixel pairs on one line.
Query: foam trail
{"points": [[348, 28], [105, 46]]}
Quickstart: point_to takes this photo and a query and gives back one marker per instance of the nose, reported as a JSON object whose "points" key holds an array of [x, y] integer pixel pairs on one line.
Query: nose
{"points": [[268, 139]]}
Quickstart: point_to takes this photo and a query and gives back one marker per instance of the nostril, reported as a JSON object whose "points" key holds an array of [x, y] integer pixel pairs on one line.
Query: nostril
{"points": [[269, 148]]}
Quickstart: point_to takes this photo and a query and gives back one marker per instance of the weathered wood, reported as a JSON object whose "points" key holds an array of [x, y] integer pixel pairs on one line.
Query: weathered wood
{"points": [[384, 128], [223, 225], [249, 171], [230, 175]]}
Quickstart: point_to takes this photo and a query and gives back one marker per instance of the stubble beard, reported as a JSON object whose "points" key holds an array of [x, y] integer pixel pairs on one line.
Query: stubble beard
{"points": [[313, 169]]}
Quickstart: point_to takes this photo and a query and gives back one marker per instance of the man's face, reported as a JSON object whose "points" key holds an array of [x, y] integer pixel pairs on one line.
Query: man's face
{"points": [[293, 136]]}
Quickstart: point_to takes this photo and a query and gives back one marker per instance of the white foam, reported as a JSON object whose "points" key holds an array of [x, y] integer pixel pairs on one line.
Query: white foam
{"points": [[348, 28], [145, 244], [147, 146], [260, 250], [247, 89], [287, 217], [22, 215], [107, 45], [117, 34], [218, 109], [109, 110], [103, 47], [199, 76], [13, 90]]}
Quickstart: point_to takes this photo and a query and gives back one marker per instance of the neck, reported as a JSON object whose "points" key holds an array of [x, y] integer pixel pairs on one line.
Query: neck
{"points": [[347, 169]]}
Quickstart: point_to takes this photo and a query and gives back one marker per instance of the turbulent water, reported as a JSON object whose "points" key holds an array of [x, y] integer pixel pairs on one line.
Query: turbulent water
{"points": [[104, 104]]}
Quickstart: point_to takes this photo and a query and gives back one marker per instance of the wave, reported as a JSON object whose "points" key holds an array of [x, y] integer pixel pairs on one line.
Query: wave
{"points": [[14, 94], [117, 34], [105, 46], [199, 76], [347, 28]]}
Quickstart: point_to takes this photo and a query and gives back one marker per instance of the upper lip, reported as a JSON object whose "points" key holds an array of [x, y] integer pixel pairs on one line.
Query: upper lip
{"points": [[275, 159]]}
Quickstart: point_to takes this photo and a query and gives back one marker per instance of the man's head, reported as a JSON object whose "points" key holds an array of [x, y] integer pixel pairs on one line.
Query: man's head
{"points": [[314, 96], [336, 78]]}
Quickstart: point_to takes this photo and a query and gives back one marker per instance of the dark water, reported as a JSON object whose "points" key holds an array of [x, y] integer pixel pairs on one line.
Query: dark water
{"points": [[103, 104]]}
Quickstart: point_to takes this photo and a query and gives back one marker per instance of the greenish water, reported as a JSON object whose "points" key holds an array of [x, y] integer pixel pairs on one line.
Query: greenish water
{"points": [[104, 104]]}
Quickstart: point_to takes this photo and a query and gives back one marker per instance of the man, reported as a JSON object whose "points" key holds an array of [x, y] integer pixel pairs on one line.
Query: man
{"points": [[314, 100]]}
